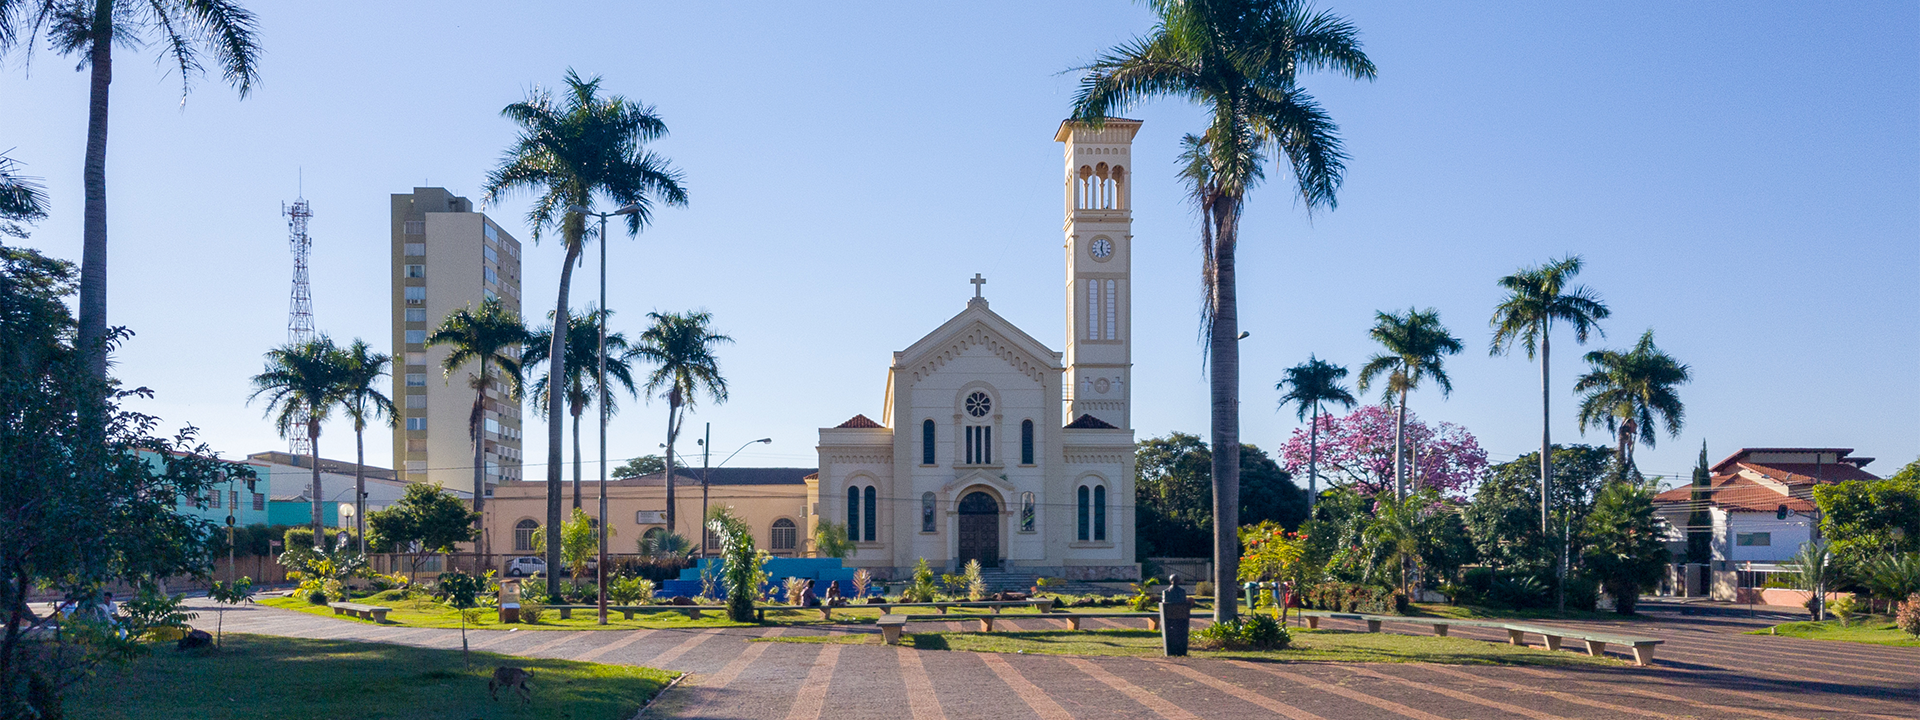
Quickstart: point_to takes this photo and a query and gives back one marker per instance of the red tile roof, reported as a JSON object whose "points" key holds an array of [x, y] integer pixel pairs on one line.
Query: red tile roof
{"points": [[859, 421], [1735, 493]]}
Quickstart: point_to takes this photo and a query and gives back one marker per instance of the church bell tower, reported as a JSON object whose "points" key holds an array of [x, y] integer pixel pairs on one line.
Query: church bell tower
{"points": [[1099, 245]]}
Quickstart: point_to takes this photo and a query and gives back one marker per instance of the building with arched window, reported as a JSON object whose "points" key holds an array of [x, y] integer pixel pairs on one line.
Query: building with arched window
{"points": [[1011, 453]]}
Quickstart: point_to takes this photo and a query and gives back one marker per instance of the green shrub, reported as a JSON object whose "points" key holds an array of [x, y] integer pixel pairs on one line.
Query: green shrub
{"points": [[533, 593], [976, 583], [1250, 632], [1518, 591], [317, 596], [1354, 597], [1583, 593], [922, 589], [1845, 607], [630, 591], [531, 613]]}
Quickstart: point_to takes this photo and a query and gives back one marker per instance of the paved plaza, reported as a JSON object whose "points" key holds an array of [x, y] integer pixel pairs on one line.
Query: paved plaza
{"points": [[1706, 669]]}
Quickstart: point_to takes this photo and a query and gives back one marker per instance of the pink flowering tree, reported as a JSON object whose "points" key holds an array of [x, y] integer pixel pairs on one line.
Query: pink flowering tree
{"points": [[1356, 451]]}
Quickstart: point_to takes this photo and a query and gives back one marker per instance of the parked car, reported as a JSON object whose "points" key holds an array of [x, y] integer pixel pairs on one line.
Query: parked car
{"points": [[525, 566]]}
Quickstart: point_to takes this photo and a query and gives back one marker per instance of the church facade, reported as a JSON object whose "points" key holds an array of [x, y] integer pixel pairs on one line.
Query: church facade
{"points": [[992, 446]]}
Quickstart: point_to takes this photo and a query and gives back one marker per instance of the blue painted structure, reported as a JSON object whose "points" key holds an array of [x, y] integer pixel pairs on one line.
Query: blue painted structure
{"points": [[820, 570]]}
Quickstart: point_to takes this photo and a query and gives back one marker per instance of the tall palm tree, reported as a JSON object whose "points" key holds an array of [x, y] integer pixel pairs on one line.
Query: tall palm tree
{"points": [[304, 380], [1308, 386], [1240, 59], [22, 198], [681, 348], [183, 31], [1632, 393], [1417, 345], [568, 151], [1536, 297], [363, 402], [583, 349], [491, 336]]}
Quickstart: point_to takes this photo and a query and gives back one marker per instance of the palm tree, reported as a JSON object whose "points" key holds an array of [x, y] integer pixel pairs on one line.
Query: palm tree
{"points": [[1631, 393], [568, 151], [1241, 61], [490, 336], [22, 198], [363, 402], [1308, 386], [583, 338], [183, 30], [303, 380], [681, 345], [1538, 296], [1417, 345]]}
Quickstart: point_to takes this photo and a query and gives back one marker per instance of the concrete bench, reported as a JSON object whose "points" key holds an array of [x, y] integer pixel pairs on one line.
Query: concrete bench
{"points": [[375, 613], [890, 627], [627, 611], [1596, 642], [1073, 619]]}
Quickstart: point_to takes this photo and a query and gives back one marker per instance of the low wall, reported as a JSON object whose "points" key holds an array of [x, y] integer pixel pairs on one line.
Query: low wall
{"points": [[1782, 597]]}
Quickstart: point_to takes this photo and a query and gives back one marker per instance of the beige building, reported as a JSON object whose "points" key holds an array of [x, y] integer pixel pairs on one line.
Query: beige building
{"points": [[993, 447], [772, 500], [447, 257]]}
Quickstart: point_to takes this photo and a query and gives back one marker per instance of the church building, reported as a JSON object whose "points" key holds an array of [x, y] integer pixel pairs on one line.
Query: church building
{"points": [[992, 446]]}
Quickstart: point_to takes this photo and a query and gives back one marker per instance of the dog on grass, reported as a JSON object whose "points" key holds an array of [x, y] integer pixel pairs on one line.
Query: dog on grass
{"points": [[514, 680]]}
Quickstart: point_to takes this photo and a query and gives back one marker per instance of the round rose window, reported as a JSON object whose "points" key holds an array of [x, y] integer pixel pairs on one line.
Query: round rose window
{"points": [[978, 404]]}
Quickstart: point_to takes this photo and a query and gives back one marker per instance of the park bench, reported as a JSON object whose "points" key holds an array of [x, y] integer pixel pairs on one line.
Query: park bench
{"points": [[1596, 642], [1073, 618], [375, 613], [890, 627], [627, 611]]}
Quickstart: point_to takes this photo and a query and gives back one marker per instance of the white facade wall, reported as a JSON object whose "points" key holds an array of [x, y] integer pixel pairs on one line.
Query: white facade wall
{"points": [[1785, 536]]}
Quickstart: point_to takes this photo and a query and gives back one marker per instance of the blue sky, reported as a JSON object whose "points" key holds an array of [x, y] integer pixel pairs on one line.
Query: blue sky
{"points": [[1740, 177]]}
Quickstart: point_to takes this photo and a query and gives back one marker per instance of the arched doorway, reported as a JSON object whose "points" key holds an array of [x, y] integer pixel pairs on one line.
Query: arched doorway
{"points": [[979, 530]]}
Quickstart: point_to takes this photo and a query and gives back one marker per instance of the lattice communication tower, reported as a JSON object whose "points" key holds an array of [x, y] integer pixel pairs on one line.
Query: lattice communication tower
{"points": [[300, 309]]}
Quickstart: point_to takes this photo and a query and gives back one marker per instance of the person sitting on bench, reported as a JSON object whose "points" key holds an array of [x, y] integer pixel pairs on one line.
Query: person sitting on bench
{"points": [[833, 595]]}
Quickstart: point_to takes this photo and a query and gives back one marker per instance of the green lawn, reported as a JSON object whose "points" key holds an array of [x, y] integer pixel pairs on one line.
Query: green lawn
{"points": [[1874, 630], [258, 676], [1471, 612], [1308, 645]]}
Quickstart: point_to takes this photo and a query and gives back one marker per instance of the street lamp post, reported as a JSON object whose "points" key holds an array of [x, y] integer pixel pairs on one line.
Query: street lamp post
{"points": [[706, 446], [600, 381]]}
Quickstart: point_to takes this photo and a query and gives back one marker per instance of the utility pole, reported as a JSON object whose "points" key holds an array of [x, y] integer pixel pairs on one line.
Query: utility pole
{"points": [[706, 468]]}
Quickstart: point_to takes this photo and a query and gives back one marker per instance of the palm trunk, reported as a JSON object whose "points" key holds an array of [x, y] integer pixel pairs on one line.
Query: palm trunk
{"points": [[673, 409], [1313, 461], [1546, 439], [313, 453], [1399, 449], [91, 340], [1224, 380], [477, 423], [556, 369], [359, 485], [576, 457]]}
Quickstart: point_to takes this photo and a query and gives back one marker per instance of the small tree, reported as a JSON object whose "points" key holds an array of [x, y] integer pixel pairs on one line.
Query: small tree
{"points": [[228, 593], [578, 544], [1625, 549], [830, 540], [922, 589], [463, 592], [427, 520], [743, 563], [976, 583], [639, 466]]}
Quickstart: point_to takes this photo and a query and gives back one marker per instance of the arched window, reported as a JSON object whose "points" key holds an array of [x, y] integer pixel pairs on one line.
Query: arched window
{"points": [[1099, 513], [785, 534], [872, 514], [926, 442], [927, 504], [1086, 518], [523, 535], [1026, 442], [853, 512], [1026, 512], [978, 429]]}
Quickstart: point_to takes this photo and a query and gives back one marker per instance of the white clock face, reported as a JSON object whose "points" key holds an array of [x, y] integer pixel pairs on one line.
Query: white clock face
{"points": [[1102, 248]]}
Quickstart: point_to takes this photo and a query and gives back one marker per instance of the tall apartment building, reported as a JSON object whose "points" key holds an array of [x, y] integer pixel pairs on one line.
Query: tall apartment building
{"points": [[447, 257]]}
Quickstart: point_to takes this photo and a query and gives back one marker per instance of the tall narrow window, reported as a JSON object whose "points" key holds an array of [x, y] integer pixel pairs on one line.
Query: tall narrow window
{"points": [[926, 513], [1026, 442], [1099, 512], [1110, 306], [1084, 519], [872, 501], [926, 442], [1093, 309], [1026, 512], [853, 513], [986, 444]]}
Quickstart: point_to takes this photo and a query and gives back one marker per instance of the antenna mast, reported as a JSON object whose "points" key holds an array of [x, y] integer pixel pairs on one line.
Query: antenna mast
{"points": [[300, 310]]}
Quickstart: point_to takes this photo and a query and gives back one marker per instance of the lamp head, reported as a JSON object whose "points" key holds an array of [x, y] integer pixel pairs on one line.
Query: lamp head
{"points": [[765, 440], [581, 209], [629, 209]]}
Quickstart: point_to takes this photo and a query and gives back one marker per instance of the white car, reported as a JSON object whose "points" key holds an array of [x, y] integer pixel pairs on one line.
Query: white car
{"points": [[525, 565]]}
